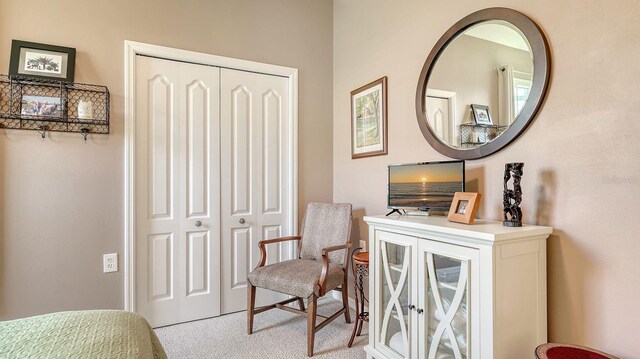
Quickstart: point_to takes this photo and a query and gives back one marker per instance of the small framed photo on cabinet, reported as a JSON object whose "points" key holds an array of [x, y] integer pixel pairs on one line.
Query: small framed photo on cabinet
{"points": [[464, 207]]}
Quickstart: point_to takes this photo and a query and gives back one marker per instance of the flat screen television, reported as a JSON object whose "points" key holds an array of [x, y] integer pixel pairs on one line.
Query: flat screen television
{"points": [[425, 186]]}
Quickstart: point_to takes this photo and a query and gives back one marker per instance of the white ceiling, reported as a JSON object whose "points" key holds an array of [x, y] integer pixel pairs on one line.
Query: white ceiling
{"points": [[500, 33]]}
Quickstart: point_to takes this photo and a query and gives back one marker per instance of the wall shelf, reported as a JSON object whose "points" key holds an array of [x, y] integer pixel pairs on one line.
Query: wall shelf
{"points": [[14, 91], [483, 134]]}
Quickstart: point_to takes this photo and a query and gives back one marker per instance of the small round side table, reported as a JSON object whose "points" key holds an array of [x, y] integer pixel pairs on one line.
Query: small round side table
{"points": [[360, 264]]}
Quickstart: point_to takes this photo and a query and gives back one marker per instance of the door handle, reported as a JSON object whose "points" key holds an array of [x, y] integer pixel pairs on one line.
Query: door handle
{"points": [[420, 311], [241, 221], [198, 223], [412, 307]]}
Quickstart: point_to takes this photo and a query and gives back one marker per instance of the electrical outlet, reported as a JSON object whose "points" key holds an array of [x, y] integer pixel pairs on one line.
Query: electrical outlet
{"points": [[363, 245], [110, 262]]}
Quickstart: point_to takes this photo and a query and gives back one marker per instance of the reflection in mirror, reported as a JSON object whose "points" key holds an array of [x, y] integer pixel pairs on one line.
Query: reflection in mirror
{"points": [[490, 66]]}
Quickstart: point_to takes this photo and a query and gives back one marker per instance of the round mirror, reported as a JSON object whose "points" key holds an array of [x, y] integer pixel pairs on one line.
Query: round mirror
{"points": [[482, 83]]}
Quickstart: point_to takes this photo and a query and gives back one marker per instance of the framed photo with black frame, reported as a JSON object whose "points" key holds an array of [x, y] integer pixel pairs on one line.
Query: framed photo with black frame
{"points": [[482, 115], [42, 61]]}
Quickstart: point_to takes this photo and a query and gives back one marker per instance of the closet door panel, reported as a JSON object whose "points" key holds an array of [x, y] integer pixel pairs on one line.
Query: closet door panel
{"points": [[275, 164], [198, 108], [177, 191], [272, 152], [241, 155], [253, 139], [157, 181], [200, 192]]}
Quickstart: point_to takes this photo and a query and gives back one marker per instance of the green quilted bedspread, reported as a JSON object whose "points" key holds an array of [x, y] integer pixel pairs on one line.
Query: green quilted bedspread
{"points": [[82, 334]]}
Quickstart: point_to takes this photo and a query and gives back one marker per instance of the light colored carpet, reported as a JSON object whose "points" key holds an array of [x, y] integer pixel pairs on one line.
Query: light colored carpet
{"points": [[277, 334]]}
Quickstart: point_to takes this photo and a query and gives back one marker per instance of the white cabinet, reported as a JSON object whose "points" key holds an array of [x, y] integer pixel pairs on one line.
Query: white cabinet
{"points": [[446, 290]]}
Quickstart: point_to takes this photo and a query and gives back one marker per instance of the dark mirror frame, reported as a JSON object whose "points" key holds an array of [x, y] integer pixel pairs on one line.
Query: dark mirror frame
{"points": [[539, 85]]}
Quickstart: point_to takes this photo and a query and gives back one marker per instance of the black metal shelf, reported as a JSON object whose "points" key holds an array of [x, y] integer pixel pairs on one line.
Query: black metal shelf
{"points": [[14, 89], [484, 133]]}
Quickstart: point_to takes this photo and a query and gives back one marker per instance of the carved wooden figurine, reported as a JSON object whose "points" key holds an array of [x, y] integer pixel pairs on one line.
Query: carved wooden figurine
{"points": [[512, 197]]}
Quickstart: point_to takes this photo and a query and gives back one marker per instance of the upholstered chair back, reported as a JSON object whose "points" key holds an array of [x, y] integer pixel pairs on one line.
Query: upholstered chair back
{"points": [[325, 225]]}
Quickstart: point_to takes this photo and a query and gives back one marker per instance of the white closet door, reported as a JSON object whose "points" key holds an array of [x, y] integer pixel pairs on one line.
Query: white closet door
{"points": [[255, 190], [200, 191], [177, 191]]}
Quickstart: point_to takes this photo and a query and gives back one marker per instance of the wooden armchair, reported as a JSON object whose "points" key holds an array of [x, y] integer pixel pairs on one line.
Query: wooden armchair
{"points": [[318, 268]]}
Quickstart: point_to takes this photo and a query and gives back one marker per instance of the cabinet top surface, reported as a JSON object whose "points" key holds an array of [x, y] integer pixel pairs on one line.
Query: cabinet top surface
{"points": [[482, 229]]}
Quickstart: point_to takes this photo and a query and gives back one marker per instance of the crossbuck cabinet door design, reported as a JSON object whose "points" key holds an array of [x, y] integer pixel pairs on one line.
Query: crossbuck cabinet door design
{"points": [[393, 325], [447, 300], [441, 290], [423, 300]]}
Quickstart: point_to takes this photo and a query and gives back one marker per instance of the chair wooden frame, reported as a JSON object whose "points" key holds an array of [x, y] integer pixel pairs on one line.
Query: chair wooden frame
{"points": [[311, 311]]}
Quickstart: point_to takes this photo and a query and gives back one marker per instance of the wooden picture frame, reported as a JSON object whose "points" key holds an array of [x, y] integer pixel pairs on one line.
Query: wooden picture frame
{"points": [[42, 61], [464, 207], [481, 114], [369, 119]]}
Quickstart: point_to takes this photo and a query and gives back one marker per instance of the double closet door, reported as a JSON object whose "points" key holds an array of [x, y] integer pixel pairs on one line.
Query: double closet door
{"points": [[211, 162]]}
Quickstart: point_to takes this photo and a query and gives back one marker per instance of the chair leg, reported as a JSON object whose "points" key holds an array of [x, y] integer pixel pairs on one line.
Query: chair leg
{"points": [[301, 304], [311, 323], [345, 303], [251, 303]]}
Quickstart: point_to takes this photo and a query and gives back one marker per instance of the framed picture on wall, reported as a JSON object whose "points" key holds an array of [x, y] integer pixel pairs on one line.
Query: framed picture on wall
{"points": [[369, 119], [482, 115], [42, 61]]}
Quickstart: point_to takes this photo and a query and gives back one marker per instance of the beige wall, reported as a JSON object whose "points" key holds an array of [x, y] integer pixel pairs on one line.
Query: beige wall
{"points": [[61, 200], [582, 174]]}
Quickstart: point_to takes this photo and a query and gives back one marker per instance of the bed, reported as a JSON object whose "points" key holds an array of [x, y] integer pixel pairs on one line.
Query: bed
{"points": [[80, 334]]}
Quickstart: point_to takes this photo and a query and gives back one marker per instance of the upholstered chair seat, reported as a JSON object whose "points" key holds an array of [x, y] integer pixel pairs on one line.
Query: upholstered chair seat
{"points": [[296, 277]]}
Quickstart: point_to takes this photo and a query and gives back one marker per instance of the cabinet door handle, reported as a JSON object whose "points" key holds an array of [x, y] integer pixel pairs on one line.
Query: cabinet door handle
{"points": [[198, 223], [241, 221], [412, 307], [420, 311]]}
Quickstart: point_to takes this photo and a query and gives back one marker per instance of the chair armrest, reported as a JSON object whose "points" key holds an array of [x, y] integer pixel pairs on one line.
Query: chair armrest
{"points": [[325, 265], [264, 242], [326, 250]]}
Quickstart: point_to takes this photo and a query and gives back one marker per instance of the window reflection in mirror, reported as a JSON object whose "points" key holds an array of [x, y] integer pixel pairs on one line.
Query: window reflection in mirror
{"points": [[489, 64]]}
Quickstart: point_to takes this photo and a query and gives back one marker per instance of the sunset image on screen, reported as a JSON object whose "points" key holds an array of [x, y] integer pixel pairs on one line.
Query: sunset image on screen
{"points": [[429, 185], [435, 172]]}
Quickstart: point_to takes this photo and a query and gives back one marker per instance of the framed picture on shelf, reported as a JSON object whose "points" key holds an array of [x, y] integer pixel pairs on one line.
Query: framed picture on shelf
{"points": [[41, 106], [481, 114], [42, 61], [464, 207], [369, 119]]}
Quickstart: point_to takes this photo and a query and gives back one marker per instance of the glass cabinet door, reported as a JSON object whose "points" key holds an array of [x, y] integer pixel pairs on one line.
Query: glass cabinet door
{"points": [[445, 326], [393, 323]]}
